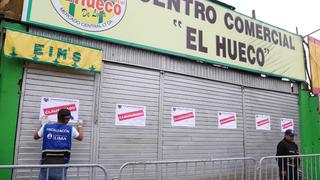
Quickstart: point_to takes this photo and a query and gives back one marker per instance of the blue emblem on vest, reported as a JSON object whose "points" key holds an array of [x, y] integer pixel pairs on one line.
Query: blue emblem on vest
{"points": [[57, 138]]}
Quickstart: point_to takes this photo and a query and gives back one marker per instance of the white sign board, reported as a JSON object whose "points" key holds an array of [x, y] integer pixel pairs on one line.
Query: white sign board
{"points": [[263, 122], [227, 120], [183, 117], [50, 107], [130, 115], [286, 124]]}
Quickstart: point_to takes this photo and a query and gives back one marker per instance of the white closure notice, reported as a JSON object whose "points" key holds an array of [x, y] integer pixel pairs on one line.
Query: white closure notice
{"points": [[227, 120], [50, 107], [263, 122], [183, 117], [130, 115], [286, 124]]}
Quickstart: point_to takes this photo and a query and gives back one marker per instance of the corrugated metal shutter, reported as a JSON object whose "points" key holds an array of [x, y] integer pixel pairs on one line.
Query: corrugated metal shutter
{"points": [[207, 97], [123, 84], [39, 81], [278, 105]]}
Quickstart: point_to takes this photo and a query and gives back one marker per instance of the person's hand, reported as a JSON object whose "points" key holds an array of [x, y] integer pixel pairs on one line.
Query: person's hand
{"points": [[44, 120], [80, 123], [283, 173]]}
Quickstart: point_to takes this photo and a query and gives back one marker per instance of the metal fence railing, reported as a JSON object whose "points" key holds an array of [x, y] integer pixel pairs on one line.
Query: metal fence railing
{"points": [[299, 167], [220, 169], [74, 171]]}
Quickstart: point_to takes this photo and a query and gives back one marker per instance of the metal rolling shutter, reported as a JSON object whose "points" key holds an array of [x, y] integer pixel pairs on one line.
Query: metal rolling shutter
{"points": [[207, 97], [39, 81], [278, 105], [123, 84]]}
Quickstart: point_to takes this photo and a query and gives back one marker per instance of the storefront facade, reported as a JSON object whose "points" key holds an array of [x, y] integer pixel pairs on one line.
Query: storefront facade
{"points": [[158, 82]]}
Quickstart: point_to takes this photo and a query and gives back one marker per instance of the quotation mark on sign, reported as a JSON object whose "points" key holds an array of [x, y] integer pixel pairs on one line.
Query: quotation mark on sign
{"points": [[266, 51], [177, 23]]}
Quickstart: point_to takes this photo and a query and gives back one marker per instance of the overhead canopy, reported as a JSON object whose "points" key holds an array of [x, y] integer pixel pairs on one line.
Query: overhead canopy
{"points": [[25, 46]]}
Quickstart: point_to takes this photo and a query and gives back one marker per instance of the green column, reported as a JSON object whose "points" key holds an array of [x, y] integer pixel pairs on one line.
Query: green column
{"points": [[309, 131], [305, 122], [309, 123], [11, 72], [315, 117]]}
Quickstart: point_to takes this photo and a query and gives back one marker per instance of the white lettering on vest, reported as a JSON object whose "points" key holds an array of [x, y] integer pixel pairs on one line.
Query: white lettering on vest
{"points": [[58, 130]]}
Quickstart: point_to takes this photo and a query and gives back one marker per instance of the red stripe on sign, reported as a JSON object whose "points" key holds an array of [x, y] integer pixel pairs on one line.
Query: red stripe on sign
{"points": [[54, 110], [130, 115], [227, 120], [182, 117], [263, 122], [286, 125]]}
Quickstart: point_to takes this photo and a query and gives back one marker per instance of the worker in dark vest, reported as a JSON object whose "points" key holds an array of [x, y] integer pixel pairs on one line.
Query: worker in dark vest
{"points": [[56, 145], [288, 167]]}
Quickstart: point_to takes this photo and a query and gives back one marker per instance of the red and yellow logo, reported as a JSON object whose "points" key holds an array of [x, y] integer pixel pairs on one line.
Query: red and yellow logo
{"points": [[91, 15]]}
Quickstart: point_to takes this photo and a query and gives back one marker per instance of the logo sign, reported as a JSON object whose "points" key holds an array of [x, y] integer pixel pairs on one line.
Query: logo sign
{"points": [[43, 50], [130, 115], [183, 117], [49, 136], [91, 15], [263, 122], [227, 120], [51, 106], [286, 124]]}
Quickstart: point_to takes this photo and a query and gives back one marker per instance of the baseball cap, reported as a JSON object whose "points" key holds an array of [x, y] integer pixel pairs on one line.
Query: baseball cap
{"points": [[289, 132], [64, 114]]}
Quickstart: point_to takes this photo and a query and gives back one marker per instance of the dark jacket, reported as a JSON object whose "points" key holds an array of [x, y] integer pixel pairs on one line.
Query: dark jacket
{"points": [[286, 148]]}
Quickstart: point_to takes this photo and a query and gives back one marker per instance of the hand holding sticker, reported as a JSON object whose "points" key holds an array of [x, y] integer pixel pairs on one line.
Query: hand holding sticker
{"points": [[44, 120], [80, 123]]}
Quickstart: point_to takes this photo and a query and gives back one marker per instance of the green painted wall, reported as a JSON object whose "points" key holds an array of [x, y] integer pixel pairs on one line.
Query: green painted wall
{"points": [[310, 123], [11, 73], [310, 132]]}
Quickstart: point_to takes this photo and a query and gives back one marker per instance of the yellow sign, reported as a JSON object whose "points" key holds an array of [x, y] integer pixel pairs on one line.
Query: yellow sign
{"points": [[314, 53], [194, 29], [42, 50]]}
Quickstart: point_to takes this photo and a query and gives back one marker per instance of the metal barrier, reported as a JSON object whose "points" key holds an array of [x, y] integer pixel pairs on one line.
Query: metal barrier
{"points": [[221, 169], [32, 171], [299, 167]]}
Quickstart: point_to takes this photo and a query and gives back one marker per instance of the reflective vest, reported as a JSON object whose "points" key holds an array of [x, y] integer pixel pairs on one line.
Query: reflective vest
{"points": [[57, 138]]}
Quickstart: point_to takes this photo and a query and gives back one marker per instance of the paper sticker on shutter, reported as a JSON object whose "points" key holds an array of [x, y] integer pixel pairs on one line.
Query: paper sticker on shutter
{"points": [[130, 115], [183, 117], [50, 107], [263, 122], [227, 120], [286, 124]]}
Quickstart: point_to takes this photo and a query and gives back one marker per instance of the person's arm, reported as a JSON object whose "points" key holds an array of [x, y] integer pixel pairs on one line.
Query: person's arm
{"points": [[281, 152], [297, 151], [80, 136], [39, 132], [297, 161], [36, 135], [80, 130]]}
